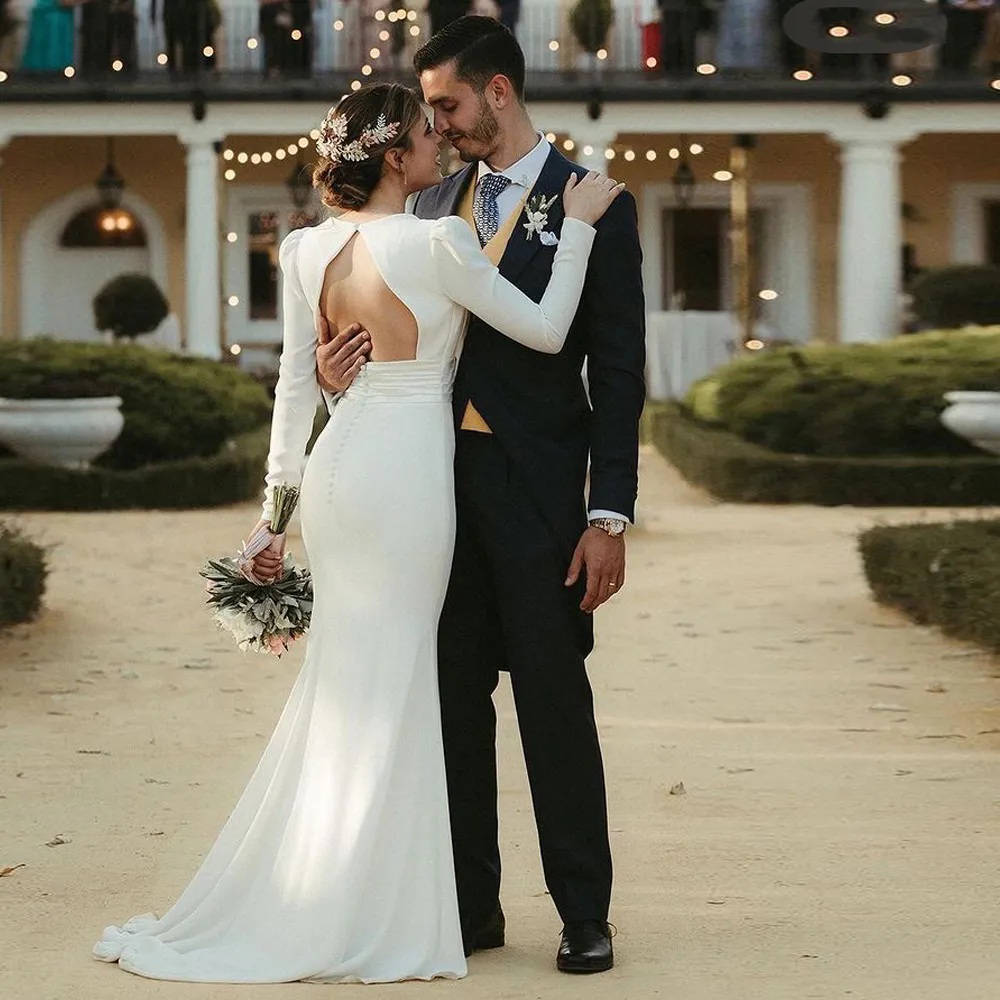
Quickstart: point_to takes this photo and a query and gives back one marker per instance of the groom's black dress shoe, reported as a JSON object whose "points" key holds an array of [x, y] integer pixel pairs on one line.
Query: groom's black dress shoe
{"points": [[490, 935], [585, 947]]}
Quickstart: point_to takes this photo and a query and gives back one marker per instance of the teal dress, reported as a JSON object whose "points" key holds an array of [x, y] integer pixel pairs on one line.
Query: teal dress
{"points": [[51, 37]]}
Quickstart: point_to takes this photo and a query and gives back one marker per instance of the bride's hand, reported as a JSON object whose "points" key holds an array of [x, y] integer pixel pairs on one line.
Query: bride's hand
{"points": [[588, 199], [269, 565]]}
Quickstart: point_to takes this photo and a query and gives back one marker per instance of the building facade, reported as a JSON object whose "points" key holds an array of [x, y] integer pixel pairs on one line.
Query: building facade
{"points": [[862, 171]]}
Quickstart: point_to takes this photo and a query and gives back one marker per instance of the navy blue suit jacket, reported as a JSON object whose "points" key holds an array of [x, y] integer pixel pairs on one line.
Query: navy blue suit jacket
{"points": [[535, 403]]}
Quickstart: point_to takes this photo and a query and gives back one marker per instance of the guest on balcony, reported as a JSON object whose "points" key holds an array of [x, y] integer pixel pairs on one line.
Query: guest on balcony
{"points": [[287, 29], [966, 22], [509, 13], [792, 55], [679, 23], [107, 34], [443, 12], [850, 65], [51, 41], [746, 36], [10, 25], [188, 26]]}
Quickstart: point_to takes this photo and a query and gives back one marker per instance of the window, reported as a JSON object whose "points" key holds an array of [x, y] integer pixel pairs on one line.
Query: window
{"points": [[697, 256], [101, 227], [263, 260]]}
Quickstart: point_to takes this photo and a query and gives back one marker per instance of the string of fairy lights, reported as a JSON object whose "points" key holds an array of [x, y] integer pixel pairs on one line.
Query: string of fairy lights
{"points": [[624, 151]]}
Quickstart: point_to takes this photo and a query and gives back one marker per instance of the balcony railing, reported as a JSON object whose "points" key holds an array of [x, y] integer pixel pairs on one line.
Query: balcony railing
{"points": [[236, 49]]}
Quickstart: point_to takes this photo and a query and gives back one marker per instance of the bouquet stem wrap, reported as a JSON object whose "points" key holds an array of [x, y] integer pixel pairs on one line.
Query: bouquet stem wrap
{"points": [[269, 535]]}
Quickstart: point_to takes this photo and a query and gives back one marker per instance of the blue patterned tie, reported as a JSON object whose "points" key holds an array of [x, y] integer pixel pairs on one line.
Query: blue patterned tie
{"points": [[484, 205]]}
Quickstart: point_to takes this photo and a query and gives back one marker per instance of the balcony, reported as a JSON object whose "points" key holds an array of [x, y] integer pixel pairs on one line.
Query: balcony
{"points": [[296, 55]]}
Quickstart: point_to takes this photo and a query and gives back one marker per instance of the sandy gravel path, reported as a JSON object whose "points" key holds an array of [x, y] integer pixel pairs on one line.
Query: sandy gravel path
{"points": [[838, 834]]}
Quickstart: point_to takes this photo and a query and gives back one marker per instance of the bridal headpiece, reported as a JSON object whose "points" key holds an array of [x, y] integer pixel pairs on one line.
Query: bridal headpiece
{"points": [[332, 142]]}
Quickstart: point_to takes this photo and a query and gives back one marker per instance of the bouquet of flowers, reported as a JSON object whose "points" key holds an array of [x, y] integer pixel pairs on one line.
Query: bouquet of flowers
{"points": [[263, 617]]}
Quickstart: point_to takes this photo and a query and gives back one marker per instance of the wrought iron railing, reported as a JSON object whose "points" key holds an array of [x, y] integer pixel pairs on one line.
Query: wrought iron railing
{"points": [[283, 41]]}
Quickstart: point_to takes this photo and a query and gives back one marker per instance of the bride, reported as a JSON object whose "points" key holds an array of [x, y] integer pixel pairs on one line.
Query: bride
{"points": [[336, 863]]}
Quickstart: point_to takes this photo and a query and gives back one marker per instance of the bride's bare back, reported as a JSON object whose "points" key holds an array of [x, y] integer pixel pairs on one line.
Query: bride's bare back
{"points": [[354, 291]]}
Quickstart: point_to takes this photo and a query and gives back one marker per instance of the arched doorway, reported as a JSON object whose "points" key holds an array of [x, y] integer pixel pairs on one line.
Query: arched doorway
{"points": [[66, 256]]}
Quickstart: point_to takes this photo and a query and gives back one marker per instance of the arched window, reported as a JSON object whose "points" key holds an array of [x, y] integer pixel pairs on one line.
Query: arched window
{"points": [[102, 227]]}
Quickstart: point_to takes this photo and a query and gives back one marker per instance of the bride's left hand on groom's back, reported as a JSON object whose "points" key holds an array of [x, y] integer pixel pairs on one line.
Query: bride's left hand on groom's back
{"points": [[339, 357]]}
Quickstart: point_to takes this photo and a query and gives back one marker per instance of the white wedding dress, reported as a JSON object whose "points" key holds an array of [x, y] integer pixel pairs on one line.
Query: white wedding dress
{"points": [[336, 863]]}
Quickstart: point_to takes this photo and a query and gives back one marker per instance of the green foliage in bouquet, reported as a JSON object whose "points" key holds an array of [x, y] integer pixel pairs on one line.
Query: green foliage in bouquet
{"points": [[945, 574], [23, 572], [263, 618], [130, 305], [175, 407], [957, 296], [856, 400], [591, 22]]}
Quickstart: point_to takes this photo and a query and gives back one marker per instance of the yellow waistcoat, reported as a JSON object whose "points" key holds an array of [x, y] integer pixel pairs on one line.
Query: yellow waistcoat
{"points": [[471, 419]]}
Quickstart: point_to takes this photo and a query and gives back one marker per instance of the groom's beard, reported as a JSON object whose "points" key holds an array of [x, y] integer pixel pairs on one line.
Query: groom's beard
{"points": [[483, 136]]}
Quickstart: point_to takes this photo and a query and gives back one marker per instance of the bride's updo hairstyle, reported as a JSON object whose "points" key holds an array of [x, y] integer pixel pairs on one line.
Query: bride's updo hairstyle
{"points": [[354, 138]]}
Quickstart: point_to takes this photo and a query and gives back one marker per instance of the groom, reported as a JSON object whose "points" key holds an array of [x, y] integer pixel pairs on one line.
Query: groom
{"points": [[529, 570]]}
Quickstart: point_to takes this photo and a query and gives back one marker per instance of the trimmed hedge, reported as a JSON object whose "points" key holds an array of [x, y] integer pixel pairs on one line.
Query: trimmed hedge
{"points": [[733, 469], [175, 406], [234, 474], [939, 574], [22, 576], [852, 400]]}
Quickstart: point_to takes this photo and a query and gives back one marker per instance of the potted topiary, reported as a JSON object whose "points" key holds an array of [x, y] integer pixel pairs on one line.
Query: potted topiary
{"points": [[58, 419], [591, 22], [975, 416], [129, 306]]}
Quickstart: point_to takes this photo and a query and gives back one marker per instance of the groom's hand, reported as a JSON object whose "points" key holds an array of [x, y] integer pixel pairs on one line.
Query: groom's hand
{"points": [[602, 559], [340, 358]]}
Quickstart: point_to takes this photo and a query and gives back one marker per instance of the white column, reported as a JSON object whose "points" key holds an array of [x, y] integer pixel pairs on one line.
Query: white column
{"points": [[870, 268], [203, 314]]}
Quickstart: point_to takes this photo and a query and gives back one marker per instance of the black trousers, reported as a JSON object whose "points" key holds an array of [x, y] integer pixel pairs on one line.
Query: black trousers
{"points": [[965, 32], [679, 33], [507, 609]]}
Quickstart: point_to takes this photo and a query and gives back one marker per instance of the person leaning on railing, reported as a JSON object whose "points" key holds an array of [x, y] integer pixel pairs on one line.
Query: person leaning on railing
{"points": [[188, 27], [285, 52], [679, 24], [107, 34], [967, 22]]}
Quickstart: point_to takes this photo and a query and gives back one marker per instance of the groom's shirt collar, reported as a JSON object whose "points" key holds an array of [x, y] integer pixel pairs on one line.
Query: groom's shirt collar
{"points": [[526, 171]]}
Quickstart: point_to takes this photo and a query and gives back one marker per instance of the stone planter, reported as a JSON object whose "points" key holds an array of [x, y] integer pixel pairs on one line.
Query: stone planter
{"points": [[975, 416], [66, 432]]}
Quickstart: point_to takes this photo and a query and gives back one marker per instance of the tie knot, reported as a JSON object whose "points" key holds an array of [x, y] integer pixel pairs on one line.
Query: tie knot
{"points": [[493, 185]]}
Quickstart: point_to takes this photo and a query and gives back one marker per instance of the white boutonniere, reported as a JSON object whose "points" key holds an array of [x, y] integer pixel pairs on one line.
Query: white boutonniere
{"points": [[537, 213]]}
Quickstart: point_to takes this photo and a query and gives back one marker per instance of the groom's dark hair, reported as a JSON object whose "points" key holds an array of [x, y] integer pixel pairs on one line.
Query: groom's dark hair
{"points": [[481, 48]]}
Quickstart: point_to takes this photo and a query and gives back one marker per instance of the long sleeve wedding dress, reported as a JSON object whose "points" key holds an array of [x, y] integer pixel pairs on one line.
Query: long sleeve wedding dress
{"points": [[336, 863]]}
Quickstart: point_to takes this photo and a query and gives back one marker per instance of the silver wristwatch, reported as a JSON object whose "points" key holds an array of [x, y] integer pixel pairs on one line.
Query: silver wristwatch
{"points": [[614, 526]]}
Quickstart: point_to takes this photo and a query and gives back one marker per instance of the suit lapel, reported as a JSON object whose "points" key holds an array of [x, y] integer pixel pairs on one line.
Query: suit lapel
{"points": [[520, 250]]}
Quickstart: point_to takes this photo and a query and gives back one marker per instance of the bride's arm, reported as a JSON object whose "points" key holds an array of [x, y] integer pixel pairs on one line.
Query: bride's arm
{"points": [[296, 395], [469, 278]]}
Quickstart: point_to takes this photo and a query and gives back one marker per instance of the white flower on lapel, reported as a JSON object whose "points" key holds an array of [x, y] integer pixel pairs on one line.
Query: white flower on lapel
{"points": [[537, 214]]}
